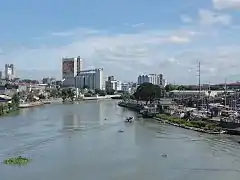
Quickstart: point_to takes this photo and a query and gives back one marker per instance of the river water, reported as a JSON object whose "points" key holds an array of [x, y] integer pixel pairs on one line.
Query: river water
{"points": [[74, 141]]}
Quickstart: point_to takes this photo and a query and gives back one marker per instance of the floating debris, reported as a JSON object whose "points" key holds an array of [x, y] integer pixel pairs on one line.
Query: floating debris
{"points": [[164, 155], [17, 161]]}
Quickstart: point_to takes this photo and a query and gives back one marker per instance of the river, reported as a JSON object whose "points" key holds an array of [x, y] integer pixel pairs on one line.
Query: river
{"points": [[74, 141]]}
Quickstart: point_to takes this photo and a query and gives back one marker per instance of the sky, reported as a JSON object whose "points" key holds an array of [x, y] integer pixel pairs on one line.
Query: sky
{"points": [[125, 37]]}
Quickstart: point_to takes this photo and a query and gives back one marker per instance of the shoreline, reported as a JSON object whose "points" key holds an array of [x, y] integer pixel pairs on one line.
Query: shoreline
{"points": [[133, 107], [187, 127]]}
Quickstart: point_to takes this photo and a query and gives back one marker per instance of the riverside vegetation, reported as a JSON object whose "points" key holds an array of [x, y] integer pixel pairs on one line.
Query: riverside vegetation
{"points": [[202, 125], [12, 106]]}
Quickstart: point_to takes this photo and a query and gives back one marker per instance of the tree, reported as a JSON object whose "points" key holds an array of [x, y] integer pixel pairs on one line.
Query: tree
{"points": [[170, 87], [148, 92], [41, 96], [1, 109], [64, 94], [67, 94], [30, 97], [181, 88], [110, 91], [70, 94], [16, 100]]}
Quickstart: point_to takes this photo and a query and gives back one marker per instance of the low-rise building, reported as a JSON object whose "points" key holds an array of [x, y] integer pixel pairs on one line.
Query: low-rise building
{"points": [[92, 79], [178, 93]]}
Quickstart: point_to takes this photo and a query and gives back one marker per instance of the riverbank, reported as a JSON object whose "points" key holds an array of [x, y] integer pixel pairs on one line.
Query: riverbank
{"points": [[7, 112], [30, 104], [199, 126], [131, 105]]}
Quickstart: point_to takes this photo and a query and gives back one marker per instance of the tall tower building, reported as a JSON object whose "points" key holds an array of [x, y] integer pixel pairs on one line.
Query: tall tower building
{"points": [[70, 68], [9, 71], [79, 64]]}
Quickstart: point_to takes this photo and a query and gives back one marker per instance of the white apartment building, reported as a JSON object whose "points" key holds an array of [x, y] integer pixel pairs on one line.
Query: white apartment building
{"points": [[113, 85], [70, 68], [92, 79], [126, 87], [156, 79], [9, 72]]}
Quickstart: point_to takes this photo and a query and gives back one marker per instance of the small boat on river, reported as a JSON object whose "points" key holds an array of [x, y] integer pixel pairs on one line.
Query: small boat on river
{"points": [[129, 120]]}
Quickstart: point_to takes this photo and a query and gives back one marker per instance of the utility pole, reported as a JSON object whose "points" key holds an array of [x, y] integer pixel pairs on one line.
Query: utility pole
{"points": [[199, 80], [225, 92]]}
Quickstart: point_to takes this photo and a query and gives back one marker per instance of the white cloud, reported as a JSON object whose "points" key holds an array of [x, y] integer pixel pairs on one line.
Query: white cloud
{"points": [[141, 50], [177, 39], [210, 18], [172, 52], [137, 25], [226, 4], [186, 19]]}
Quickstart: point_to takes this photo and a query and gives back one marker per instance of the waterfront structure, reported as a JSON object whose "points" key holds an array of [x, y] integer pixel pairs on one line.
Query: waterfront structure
{"points": [[9, 72], [70, 68], [204, 93], [156, 79], [92, 79]]}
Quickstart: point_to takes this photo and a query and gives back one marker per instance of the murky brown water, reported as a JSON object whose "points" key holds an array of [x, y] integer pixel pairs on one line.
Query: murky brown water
{"points": [[73, 141]]}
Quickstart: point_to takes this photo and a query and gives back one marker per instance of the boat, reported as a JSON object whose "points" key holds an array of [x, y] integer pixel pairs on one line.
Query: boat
{"points": [[129, 120]]}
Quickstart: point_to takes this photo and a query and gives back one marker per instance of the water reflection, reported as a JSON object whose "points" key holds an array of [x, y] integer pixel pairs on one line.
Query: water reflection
{"points": [[71, 121], [84, 115]]}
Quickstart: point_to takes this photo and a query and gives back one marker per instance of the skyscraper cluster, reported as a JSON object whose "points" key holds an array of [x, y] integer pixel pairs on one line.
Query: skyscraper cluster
{"points": [[73, 74], [156, 79], [9, 72]]}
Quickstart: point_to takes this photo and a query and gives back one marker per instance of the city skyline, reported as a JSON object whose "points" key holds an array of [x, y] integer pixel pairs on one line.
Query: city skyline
{"points": [[170, 37]]}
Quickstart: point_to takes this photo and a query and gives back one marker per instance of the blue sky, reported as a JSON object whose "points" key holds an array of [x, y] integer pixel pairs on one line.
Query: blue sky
{"points": [[124, 37]]}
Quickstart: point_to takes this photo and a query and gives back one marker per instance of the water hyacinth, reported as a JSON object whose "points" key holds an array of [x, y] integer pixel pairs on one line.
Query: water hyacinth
{"points": [[17, 161]]}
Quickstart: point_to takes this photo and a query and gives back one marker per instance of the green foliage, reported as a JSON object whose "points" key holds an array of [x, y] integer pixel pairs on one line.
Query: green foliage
{"points": [[41, 96], [87, 95], [68, 94], [195, 124], [148, 92], [100, 92], [17, 161], [54, 93], [170, 87], [1, 109], [125, 96], [16, 100], [110, 91]]}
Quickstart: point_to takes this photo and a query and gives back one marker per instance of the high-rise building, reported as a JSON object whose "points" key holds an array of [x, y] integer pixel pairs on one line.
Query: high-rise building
{"points": [[9, 72], [79, 64], [156, 79], [111, 78], [92, 79], [112, 84], [0, 74], [70, 68]]}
